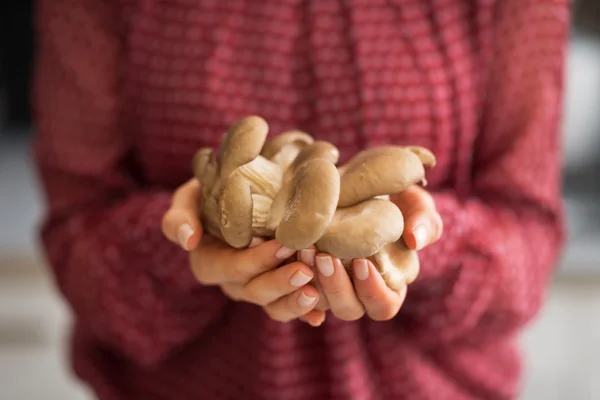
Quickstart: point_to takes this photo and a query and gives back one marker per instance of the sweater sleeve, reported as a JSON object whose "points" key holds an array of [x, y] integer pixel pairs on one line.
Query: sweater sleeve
{"points": [[128, 287], [488, 275]]}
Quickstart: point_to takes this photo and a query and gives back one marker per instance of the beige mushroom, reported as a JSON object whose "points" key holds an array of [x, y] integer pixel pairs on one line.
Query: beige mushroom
{"points": [[310, 199], [209, 214], [397, 264], [361, 230], [241, 144], [283, 148], [318, 149], [235, 212], [381, 171], [205, 169]]}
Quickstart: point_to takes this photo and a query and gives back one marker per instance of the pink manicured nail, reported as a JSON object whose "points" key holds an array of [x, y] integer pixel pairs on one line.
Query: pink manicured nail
{"points": [[307, 256], [305, 301], [284, 253], [421, 236], [361, 269], [300, 279], [184, 234], [325, 265]]}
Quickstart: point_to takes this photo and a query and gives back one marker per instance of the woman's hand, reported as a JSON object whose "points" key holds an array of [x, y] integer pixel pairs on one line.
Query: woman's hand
{"points": [[250, 275], [349, 298]]}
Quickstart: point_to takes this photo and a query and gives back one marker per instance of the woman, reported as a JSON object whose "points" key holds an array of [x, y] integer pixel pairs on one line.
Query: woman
{"points": [[127, 91]]}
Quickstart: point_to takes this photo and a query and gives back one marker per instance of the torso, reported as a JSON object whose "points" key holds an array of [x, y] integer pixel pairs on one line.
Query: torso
{"points": [[355, 73]]}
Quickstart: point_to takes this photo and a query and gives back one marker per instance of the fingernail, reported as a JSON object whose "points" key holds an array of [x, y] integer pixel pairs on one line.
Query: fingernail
{"points": [[300, 279], [284, 253], [183, 235], [421, 236], [305, 301], [361, 269], [307, 256], [325, 265], [255, 242]]}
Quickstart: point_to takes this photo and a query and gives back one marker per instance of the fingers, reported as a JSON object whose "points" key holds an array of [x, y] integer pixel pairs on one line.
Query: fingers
{"points": [[272, 285], [338, 288], [422, 223], [180, 223], [294, 305], [380, 302], [307, 256], [215, 263]]}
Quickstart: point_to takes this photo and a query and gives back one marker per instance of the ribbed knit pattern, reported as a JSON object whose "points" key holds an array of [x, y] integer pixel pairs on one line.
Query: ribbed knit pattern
{"points": [[127, 91]]}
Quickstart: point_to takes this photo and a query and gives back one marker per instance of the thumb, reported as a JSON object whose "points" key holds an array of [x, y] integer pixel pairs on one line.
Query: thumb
{"points": [[422, 223], [180, 223]]}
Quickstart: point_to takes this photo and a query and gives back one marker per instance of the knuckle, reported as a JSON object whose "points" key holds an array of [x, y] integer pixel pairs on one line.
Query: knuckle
{"points": [[368, 295], [335, 289], [254, 295], [237, 272]]}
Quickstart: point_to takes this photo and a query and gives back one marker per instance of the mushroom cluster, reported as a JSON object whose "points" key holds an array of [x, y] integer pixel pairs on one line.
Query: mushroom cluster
{"points": [[291, 188]]}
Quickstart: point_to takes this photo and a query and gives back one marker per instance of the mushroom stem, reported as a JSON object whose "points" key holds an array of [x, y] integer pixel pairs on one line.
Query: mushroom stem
{"points": [[260, 214], [285, 157], [263, 176], [283, 146]]}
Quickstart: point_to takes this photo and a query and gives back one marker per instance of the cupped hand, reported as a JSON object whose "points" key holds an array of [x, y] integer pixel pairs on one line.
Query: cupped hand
{"points": [[255, 275], [351, 297]]}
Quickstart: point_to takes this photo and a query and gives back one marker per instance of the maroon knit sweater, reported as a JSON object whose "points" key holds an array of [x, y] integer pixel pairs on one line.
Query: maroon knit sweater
{"points": [[128, 90]]}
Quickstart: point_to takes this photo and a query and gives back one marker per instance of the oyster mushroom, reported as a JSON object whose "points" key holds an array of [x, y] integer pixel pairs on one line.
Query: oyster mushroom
{"points": [[235, 212], [382, 171], [318, 149], [310, 198], [283, 148], [397, 264], [241, 144], [372, 229], [361, 230], [239, 158]]}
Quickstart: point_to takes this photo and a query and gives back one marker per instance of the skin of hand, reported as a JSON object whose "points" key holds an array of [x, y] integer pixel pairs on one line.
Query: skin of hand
{"points": [[256, 275], [350, 298]]}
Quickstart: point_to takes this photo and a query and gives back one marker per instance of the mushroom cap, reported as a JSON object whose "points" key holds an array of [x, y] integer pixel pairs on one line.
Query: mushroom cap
{"points": [[276, 144], [425, 155], [317, 149], [361, 230], [397, 264], [242, 143], [379, 171], [235, 212], [311, 200], [209, 214], [205, 168]]}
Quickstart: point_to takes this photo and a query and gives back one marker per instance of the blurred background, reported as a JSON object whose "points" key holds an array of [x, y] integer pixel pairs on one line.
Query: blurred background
{"points": [[562, 346]]}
